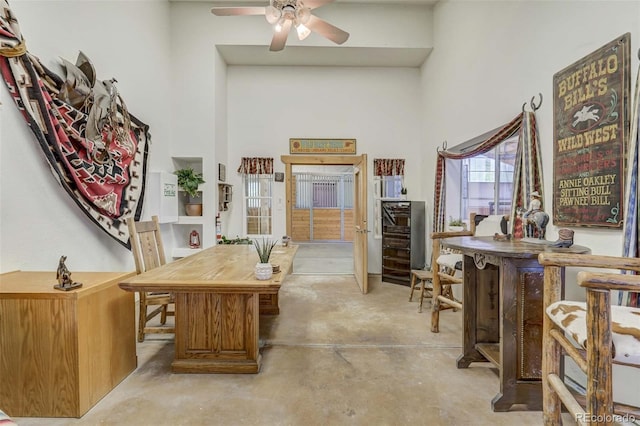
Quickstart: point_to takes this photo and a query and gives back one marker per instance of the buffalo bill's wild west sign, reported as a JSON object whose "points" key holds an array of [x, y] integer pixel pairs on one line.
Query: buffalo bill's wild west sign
{"points": [[322, 146], [591, 128]]}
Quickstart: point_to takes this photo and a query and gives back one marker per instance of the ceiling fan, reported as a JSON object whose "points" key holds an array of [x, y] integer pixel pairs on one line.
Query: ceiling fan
{"points": [[287, 13]]}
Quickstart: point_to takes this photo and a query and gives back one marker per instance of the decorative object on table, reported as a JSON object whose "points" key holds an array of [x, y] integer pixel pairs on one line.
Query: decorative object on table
{"points": [[535, 219], [189, 180], [95, 148], [591, 137], [565, 238], [263, 269], [194, 239], [286, 240], [276, 268], [456, 225], [501, 237], [65, 283]]}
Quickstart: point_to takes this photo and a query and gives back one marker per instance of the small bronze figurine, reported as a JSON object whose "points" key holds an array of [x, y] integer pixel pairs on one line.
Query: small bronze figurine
{"points": [[65, 283]]}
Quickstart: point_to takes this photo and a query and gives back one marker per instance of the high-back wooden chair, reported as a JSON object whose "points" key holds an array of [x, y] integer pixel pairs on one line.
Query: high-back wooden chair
{"points": [[148, 253], [447, 263], [601, 335]]}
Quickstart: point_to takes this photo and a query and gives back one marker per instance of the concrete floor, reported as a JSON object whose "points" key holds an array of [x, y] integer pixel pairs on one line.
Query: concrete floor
{"points": [[332, 357], [324, 258]]}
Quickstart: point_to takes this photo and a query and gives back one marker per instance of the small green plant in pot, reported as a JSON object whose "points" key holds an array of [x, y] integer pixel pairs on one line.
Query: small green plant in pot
{"points": [[188, 181], [264, 270], [456, 225]]}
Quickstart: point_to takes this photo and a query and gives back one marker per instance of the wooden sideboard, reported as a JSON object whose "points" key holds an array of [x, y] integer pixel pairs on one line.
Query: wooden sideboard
{"points": [[63, 351], [503, 313]]}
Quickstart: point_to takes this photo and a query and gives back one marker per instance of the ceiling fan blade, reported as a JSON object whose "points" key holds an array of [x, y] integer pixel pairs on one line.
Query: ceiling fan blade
{"points": [[233, 11], [312, 4], [327, 30], [280, 37]]}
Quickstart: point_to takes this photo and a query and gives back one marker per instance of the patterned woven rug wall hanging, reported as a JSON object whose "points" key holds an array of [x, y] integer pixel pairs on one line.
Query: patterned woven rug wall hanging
{"points": [[96, 150]]}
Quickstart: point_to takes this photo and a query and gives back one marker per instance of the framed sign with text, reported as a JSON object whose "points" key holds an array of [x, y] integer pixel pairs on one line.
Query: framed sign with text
{"points": [[322, 146], [591, 116]]}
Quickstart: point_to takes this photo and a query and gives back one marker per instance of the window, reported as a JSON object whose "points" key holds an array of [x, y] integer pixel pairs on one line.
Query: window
{"points": [[258, 203], [487, 180]]}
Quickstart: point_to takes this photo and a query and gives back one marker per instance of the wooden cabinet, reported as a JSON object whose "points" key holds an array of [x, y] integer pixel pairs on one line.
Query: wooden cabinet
{"points": [[61, 352], [403, 240]]}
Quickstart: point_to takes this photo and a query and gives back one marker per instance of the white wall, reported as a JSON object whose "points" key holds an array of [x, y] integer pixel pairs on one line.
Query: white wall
{"points": [[501, 60], [379, 107], [490, 57], [38, 221]]}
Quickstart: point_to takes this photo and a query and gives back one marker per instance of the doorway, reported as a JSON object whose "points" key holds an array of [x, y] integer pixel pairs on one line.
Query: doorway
{"points": [[359, 210]]}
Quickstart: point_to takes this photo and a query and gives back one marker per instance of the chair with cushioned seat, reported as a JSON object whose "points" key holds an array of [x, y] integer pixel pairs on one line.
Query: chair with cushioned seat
{"points": [[148, 253], [594, 334], [449, 264]]}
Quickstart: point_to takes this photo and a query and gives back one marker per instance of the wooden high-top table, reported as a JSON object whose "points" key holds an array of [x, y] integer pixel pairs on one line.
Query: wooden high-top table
{"points": [[217, 303], [503, 313]]}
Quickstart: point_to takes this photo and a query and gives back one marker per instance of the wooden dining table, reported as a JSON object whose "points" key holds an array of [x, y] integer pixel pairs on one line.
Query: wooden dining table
{"points": [[218, 302]]}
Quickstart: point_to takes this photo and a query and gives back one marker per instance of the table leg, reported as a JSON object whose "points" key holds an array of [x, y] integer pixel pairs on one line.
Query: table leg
{"points": [[217, 333], [469, 316]]}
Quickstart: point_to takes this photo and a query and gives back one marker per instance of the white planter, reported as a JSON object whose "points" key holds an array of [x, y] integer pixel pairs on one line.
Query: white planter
{"points": [[263, 271], [456, 228]]}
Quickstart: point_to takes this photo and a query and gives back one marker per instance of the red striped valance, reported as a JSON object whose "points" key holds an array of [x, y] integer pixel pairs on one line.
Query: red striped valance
{"points": [[256, 166], [388, 167]]}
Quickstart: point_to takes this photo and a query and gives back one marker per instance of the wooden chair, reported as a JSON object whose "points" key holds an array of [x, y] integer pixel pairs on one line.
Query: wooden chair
{"points": [[601, 335], [148, 253], [425, 278], [446, 265]]}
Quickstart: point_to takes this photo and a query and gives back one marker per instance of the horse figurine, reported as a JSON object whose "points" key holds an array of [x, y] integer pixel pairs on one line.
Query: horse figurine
{"points": [[536, 221]]}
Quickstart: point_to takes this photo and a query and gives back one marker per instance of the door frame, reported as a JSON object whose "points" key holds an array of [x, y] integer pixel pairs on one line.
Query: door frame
{"points": [[322, 160]]}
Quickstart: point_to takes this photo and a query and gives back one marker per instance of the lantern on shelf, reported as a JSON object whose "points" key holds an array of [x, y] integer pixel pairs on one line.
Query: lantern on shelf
{"points": [[194, 239]]}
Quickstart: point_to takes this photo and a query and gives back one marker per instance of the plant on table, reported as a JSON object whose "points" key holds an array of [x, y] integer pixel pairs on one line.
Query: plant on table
{"points": [[264, 249]]}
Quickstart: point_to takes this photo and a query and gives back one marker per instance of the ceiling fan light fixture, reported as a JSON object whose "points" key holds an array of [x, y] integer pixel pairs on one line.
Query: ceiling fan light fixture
{"points": [[278, 26], [303, 15], [272, 14], [303, 32]]}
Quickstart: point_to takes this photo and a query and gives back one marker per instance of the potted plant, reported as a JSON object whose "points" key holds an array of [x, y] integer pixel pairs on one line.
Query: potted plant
{"points": [[188, 181], [403, 192], [264, 270], [456, 225]]}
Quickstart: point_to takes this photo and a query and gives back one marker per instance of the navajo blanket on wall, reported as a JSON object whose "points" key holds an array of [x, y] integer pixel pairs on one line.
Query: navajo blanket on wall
{"points": [[96, 150]]}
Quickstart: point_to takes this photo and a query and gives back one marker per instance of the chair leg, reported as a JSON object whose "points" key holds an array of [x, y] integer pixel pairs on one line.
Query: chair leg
{"points": [[163, 315], [551, 359], [435, 304], [413, 285], [423, 289]]}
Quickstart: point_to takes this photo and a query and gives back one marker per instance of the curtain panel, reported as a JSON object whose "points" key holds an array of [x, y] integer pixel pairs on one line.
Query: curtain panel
{"points": [[256, 166], [527, 176], [388, 167]]}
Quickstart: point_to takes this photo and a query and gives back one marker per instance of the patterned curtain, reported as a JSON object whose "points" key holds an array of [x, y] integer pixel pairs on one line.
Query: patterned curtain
{"points": [[388, 167], [630, 244], [256, 166], [95, 148], [527, 173]]}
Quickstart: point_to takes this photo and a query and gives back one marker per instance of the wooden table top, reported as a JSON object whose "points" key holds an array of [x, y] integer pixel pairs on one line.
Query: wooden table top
{"points": [[221, 267], [30, 283], [522, 248]]}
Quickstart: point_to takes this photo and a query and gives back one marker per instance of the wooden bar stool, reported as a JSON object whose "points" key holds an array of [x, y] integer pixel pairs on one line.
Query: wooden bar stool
{"points": [[426, 285]]}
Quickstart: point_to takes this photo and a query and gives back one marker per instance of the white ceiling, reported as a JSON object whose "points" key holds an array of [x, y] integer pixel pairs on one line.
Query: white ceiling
{"points": [[320, 55]]}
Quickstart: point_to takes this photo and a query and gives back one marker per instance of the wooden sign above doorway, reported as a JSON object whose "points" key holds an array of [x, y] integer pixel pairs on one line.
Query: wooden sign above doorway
{"points": [[322, 146]]}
